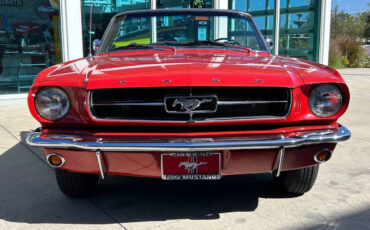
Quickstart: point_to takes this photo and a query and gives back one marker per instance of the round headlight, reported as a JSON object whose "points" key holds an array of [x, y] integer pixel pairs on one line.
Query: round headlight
{"points": [[52, 103], [325, 100]]}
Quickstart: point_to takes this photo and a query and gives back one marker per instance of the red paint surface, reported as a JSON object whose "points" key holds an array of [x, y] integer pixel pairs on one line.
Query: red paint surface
{"points": [[148, 164], [188, 67]]}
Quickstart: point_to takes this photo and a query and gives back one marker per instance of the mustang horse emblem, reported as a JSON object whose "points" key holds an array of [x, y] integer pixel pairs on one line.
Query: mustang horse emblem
{"points": [[190, 104], [190, 166]]}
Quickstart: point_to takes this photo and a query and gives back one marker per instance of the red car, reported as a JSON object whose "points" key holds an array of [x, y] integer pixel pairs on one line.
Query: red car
{"points": [[210, 101]]}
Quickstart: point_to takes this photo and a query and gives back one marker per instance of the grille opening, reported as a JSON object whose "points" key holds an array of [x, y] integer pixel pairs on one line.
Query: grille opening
{"points": [[148, 103]]}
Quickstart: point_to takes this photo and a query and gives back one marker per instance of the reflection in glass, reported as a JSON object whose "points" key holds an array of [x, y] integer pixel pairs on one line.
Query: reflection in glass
{"points": [[283, 22], [284, 4], [270, 22], [182, 29], [297, 3], [301, 20], [299, 27], [29, 42], [103, 11], [271, 4], [260, 22], [240, 5], [176, 4], [256, 5]]}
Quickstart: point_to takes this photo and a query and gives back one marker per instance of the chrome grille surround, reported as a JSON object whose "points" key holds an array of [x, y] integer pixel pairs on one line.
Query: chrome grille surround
{"points": [[129, 110]]}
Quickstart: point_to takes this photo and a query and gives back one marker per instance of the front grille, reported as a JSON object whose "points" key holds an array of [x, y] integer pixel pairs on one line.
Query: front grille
{"points": [[150, 104]]}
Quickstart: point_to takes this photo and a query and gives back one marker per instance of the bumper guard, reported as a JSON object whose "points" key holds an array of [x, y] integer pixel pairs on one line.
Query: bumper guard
{"points": [[188, 144]]}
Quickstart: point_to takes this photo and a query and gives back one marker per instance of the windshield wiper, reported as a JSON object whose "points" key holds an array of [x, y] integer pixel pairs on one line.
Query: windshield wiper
{"points": [[248, 50], [209, 43], [204, 43], [142, 46]]}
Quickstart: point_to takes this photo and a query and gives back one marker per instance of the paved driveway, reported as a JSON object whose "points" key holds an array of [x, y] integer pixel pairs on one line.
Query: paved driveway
{"points": [[30, 198]]}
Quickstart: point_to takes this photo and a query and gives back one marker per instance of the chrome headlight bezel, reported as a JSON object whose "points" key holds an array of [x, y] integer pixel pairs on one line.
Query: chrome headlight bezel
{"points": [[325, 100], [44, 103]]}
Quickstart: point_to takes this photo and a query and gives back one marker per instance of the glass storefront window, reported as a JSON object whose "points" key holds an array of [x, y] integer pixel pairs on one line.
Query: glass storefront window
{"points": [[28, 43], [301, 20], [283, 23], [299, 24], [257, 5], [240, 5], [284, 3], [179, 30], [260, 22], [271, 4], [297, 3], [174, 4], [299, 29], [31, 42], [270, 22], [103, 11]]}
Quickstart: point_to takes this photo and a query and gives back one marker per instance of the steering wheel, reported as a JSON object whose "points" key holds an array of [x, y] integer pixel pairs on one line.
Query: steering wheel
{"points": [[166, 37], [227, 41]]}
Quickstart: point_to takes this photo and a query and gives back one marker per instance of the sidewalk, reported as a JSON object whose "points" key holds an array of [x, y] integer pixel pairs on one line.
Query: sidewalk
{"points": [[30, 198]]}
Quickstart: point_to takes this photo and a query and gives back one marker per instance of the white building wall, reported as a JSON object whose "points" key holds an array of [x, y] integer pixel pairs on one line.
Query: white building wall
{"points": [[325, 32], [71, 29]]}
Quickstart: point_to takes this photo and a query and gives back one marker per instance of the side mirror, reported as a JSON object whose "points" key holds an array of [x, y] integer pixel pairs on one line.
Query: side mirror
{"points": [[270, 43], [96, 44]]}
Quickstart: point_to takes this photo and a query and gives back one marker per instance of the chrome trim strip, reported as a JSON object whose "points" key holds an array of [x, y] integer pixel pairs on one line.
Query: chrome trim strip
{"points": [[101, 163], [163, 104], [130, 104], [191, 144], [241, 118], [248, 102], [90, 109], [281, 160]]}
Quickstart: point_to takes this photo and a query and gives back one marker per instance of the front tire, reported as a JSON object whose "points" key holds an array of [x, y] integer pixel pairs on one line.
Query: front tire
{"points": [[76, 184], [298, 181]]}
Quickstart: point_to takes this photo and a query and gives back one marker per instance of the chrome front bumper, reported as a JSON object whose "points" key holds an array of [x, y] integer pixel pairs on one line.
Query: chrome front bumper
{"points": [[188, 144]]}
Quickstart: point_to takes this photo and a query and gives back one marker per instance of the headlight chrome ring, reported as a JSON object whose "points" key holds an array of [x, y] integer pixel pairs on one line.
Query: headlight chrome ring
{"points": [[325, 100], [52, 103]]}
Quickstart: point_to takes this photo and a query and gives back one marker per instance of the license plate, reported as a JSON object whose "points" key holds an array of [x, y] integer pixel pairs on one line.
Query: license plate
{"points": [[191, 166]]}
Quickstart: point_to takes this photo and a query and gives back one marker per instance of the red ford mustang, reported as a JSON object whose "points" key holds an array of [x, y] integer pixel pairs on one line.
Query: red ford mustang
{"points": [[203, 101]]}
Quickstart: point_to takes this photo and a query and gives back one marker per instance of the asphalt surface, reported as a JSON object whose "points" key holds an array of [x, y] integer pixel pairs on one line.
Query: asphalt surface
{"points": [[30, 198]]}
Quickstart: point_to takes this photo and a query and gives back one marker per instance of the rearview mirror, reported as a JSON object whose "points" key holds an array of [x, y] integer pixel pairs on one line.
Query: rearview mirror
{"points": [[96, 44]]}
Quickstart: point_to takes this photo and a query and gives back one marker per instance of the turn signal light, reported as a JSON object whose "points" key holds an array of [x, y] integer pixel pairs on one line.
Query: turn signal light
{"points": [[55, 160], [323, 156]]}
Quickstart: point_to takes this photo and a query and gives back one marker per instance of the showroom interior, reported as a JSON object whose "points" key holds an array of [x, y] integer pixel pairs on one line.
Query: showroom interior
{"points": [[35, 34]]}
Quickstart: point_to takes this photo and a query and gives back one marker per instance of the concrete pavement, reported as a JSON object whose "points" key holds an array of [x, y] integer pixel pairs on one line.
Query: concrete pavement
{"points": [[30, 198]]}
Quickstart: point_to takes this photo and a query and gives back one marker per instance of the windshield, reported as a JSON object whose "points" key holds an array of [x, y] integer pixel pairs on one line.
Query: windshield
{"points": [[196, 29]]}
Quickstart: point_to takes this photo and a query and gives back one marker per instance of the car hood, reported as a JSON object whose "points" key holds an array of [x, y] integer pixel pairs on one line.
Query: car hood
{"points": [[192, 68]]}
